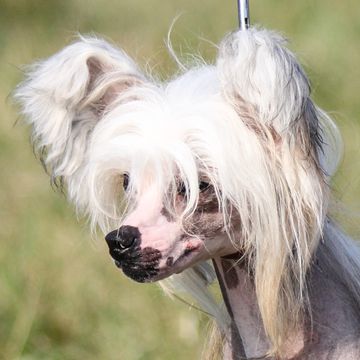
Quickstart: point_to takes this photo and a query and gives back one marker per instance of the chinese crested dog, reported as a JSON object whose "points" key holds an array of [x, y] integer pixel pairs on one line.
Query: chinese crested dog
{"points": [[230, 162]]}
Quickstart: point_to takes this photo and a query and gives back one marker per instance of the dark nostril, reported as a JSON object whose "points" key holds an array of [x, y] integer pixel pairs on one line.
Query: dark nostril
{"points": [[123, 238], [128, 235]]}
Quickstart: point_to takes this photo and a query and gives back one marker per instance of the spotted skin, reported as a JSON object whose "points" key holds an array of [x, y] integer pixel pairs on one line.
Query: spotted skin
{"points": [[142, 266], [170, 261]]}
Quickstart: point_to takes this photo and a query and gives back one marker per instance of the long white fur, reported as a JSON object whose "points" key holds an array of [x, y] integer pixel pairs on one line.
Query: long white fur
{"points": [[246, 123]]}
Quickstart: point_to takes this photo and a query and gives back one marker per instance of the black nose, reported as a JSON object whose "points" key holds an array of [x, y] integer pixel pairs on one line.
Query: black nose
{"points": [[123, 239]]}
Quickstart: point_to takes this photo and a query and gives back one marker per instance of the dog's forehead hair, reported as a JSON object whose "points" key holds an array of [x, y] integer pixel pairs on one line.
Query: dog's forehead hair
{"points": [[170, 202]]}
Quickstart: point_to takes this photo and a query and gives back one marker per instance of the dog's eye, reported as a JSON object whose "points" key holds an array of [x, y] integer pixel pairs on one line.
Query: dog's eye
{"points": [[203, 185], [125, 181], [181, 189]]}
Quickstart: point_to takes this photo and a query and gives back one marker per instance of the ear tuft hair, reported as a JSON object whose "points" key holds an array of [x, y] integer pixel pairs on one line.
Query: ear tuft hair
{"points": [[256, 66]]}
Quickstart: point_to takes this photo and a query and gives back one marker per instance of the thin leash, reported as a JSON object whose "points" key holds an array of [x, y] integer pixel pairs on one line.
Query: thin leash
{"points": [[243, 14]]}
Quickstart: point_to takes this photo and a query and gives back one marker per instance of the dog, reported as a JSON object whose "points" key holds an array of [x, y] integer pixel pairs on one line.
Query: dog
{"points": [[229, 162]]}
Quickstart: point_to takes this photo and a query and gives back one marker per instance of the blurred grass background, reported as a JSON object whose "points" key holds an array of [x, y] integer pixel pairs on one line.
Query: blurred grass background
{"points": [[60, 295]]}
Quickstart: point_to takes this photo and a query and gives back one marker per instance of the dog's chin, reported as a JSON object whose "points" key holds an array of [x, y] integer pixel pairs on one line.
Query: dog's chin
{"points": [[139, 274], [147, 272]]}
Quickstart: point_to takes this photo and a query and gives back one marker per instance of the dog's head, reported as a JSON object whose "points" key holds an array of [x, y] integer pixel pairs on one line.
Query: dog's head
{"points": [[223, 159]]}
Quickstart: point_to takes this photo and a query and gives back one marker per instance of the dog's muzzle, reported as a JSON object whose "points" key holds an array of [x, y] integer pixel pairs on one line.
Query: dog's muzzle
{"points": [[124, 247]]}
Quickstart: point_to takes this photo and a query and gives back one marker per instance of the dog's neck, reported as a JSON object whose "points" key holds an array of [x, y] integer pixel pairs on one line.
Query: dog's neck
{"points": [[335, 320], [240, 300]]}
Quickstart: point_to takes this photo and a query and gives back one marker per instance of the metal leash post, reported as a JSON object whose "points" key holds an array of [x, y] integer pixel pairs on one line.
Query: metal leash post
{"points": [[243, 13]]}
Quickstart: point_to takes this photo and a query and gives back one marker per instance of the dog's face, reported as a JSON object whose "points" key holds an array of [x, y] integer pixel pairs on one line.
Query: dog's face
{"points": [[155, 242], [160, 151]]}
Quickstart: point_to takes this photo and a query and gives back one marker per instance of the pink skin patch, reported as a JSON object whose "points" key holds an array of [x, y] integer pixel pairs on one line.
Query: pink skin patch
{"points": [[162, 246]]}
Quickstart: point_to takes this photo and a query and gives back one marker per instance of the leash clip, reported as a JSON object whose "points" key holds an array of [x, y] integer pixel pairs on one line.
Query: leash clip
{"points": [[243, 14]]}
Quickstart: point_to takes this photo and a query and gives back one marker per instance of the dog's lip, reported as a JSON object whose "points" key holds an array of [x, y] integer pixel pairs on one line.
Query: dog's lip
{"points": [[179, 265], [190, 248], [190, 251]]}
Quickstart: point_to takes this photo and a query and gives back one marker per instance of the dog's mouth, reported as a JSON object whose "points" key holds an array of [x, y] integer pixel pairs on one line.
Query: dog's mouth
{"points": [[149, 264], [141, 266], [190, 250]]}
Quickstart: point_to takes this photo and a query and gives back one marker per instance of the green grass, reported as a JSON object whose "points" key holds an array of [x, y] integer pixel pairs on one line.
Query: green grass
{"points": [[60, 295]]}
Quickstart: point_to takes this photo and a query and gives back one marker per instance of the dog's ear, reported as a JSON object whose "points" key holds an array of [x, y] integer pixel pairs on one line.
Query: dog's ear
{"points": [[259, 73], [65, 96]]}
